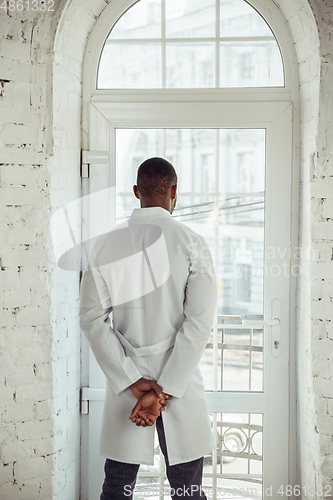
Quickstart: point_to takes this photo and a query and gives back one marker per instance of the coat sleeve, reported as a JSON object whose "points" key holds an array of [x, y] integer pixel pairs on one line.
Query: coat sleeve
{"points": [[95, 307], [199, 309]]}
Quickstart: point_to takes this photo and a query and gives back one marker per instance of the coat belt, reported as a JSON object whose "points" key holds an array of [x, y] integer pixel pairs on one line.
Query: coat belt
{"points": [[147, 350]]}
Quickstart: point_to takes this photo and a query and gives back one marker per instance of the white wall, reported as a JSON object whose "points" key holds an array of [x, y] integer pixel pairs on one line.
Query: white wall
{"points": [[314, 296], [40, 343]]}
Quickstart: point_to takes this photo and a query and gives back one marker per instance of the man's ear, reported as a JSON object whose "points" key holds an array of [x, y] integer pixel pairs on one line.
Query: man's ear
{"points": [[173, 191], [136, 191]]}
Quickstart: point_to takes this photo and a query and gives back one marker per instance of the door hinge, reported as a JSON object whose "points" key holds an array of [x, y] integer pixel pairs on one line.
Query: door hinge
{"points": [[90, 394], [92, 157], [84, 170], [84, 401]]}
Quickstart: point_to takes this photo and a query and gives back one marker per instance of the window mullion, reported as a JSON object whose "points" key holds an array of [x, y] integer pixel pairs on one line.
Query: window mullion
{"points": [[163, 44], [216, 247], [136, 41], [217, 44], [215, 325], [163, 143]]}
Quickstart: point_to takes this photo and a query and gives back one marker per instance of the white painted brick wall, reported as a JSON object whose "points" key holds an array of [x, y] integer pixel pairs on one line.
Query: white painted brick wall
{"points": [[322, 239], [304, 35], [36, 418], [314, 348]]}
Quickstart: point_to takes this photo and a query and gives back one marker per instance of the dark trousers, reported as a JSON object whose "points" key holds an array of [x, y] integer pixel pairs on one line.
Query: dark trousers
{"points": [[185, 479]]}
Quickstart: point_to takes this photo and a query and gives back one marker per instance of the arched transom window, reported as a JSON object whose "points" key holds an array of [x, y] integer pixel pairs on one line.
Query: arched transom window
{"points": [[190, 44]]}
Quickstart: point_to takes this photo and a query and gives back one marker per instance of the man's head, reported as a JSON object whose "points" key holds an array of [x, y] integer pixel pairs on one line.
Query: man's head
{"points": [[156, 184]]}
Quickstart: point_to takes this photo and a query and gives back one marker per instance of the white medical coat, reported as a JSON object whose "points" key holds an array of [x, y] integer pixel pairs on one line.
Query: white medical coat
{"points": [[157, 278]]}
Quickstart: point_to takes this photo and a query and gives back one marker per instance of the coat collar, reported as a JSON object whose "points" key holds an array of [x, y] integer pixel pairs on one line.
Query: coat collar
{"points": [[150, 212]]}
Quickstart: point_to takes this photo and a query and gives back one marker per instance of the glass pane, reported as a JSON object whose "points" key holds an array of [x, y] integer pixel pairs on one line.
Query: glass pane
{"points": [[232, 221], [239, 19], [189, 19], [237, 240], [142, 20], [130, 66], [251, 64], [190, 65]]}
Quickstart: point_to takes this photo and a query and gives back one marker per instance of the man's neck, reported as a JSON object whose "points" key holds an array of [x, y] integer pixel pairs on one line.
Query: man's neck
{"points": [[153, 203]]}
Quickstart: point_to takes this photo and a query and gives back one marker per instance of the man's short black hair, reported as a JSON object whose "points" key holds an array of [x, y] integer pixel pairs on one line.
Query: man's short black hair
{"points": [[155, 176]]}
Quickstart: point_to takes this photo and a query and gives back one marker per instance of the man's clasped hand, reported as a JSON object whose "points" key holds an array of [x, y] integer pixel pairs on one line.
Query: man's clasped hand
{"points": [[151, 401]]}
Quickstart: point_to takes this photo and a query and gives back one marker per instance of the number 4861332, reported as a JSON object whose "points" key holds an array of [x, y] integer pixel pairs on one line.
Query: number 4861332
{"points": [[34, 5]]}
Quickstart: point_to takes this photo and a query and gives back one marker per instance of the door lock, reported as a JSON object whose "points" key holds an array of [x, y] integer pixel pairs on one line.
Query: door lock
{"points": [[273, 323]]}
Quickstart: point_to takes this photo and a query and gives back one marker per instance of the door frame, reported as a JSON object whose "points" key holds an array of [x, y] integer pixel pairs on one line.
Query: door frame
{"points": [[288, 94], [276, 118]]}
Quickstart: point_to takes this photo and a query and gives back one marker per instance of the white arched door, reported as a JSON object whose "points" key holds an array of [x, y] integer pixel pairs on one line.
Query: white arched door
{"points": [[233, 154]]}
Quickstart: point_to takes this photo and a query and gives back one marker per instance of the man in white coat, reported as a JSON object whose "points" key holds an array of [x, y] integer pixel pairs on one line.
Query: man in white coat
{"points": [[157, 278]]}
